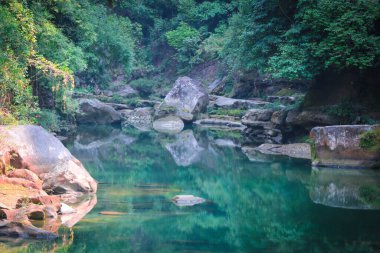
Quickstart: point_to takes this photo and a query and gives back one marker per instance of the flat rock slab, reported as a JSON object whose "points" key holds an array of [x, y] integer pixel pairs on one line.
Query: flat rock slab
{"points": [[232, 103], [295, 150], [220, 123]]}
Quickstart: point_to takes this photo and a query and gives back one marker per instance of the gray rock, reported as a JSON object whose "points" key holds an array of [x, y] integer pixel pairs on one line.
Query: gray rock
{"points": [[232, 103], [258, 115], [295, 150], [45, 155], [188, 97], [126, 91], [169, 124], [220, 124], [279, 117], [96, 112], [338, 146], [312, 118], [140, 118]]}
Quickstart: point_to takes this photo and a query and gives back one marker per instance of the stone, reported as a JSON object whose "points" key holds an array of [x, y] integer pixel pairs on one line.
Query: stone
{"points": [[187, 200], [295, 150], [279, 117], [44, 155], [188, 97], [232, 103], [125, 91], [169, 124], [312, 119], [140, 118], [27, 175], [339, 146], [258, 115], [92, 111], [220, 124]]}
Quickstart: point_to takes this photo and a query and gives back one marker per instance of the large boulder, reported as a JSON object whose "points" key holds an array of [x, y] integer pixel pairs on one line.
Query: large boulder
{"points": [[339, 146], [92, 111], [35, 149], [188, 97]]}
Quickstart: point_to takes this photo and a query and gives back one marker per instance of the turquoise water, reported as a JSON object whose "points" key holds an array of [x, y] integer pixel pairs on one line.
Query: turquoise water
{"points": [[271, 205]]}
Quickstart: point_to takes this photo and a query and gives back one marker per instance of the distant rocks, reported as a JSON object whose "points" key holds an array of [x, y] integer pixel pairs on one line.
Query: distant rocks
{"points": [[339, 146], [92, 111], [232, 103]]}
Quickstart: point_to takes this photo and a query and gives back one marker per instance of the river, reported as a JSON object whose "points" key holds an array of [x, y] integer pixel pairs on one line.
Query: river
{"points": [[253, 203]]}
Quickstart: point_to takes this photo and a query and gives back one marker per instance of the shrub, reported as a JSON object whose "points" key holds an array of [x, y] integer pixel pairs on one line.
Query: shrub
{"points": [[144, 86], [371, 140]]}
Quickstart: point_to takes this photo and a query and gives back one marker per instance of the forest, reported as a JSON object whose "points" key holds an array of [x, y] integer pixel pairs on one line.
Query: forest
{"points": [[49, 47]]}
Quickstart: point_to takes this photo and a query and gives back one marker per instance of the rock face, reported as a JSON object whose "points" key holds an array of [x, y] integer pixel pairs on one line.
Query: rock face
{"points": [[260, 128], [188, 97], [169, 124], [338, 146], [33, 148], [140, 118], [39, 164], [92, 111]]}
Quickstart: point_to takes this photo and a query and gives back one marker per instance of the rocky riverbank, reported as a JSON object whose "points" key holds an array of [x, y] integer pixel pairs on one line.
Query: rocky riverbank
{"points": [[40, 180]]}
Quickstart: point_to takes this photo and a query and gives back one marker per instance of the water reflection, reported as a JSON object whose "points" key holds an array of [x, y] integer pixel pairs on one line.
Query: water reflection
{"points": [[251, 206], [345, 188]]}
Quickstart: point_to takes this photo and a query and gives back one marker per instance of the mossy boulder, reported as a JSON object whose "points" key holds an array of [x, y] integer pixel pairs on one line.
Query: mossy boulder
{"points": [[339, 146]]}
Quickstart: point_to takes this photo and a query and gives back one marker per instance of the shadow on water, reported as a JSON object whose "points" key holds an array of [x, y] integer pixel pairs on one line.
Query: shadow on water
{"points": [[253, 204]]}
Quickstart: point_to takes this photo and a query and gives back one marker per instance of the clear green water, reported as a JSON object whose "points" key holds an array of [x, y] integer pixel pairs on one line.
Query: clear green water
{"points": [[277, 205]]}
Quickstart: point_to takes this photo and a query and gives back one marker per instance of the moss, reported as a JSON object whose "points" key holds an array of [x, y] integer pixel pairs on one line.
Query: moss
{"points": [[371, 140], [229, 112]]}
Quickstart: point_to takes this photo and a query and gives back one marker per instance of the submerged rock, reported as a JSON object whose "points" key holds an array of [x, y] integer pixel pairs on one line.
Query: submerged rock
{"points": [[188, 97], [169, 124], [339, 146], [187, 200], [96, 112]]}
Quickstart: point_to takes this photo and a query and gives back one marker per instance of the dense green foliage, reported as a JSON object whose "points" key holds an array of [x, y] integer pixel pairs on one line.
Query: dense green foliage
{"points": [[45, 43]]}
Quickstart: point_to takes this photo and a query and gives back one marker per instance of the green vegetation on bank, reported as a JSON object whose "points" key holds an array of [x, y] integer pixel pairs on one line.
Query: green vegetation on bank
{"points": [[47, 45]]}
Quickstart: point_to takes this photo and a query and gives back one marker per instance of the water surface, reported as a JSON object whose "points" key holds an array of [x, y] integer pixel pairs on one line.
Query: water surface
{"points": [[261, 204]]}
